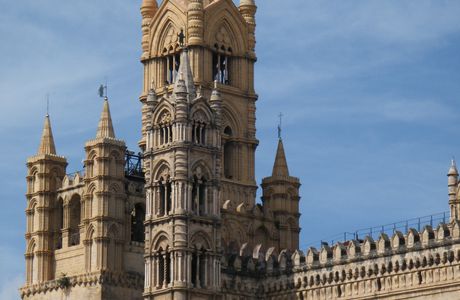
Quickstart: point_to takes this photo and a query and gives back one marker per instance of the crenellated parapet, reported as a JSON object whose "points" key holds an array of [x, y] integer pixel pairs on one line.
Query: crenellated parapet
{"points": [[354, 269]]}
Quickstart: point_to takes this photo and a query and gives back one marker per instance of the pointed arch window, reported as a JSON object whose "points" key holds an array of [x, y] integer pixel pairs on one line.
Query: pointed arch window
{"points": [[199, 195], [74, 208], [59, 222], [165, 129], [165, 201], [221, 60], [171, 63], [199, 266], [229, 149]]}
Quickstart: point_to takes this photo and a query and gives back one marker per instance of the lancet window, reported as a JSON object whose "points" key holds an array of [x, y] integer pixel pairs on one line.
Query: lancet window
{"points": [[59, 222], [230, 159], [164, 191], [199, 263], [162, 268], [199, 127], [74, 208], [221, 61], [199, 195], [165, 129], [137, 223], [171, 63]]}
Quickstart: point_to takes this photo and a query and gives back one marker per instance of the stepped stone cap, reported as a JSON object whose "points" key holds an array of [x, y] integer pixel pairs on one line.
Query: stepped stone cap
{"points": [[149, 7], [280, 168], [185, 71], [453, 169], [105, 127], [47, 141], [247, 2], [215, 95]]}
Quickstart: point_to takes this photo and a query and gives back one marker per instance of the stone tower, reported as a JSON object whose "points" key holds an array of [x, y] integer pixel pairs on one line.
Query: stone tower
{"points": [[281, 196], [45, 170], [198, 138]]}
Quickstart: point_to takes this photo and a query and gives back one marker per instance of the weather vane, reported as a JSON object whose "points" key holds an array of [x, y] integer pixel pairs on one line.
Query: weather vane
{"points": [[103, 90], [279, 125]]}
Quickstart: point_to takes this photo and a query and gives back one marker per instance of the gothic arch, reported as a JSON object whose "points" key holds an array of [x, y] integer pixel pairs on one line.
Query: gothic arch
{"points": [[205, 169], [229, 120], [163, 113], [161, 241], [201, 112], [230, 18], [164, 22], [162, 169], [200, 240]]}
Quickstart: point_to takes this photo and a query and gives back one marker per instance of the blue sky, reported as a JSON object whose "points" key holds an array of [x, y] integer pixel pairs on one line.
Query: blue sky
{"points": [[370, 91]]}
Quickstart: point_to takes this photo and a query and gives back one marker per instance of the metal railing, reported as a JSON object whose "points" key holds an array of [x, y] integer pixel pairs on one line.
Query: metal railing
{"points": [[133, 164], [389, 229]]}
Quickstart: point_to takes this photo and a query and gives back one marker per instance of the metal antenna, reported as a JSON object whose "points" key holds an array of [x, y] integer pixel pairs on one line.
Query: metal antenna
{"points": [[279, 125]]}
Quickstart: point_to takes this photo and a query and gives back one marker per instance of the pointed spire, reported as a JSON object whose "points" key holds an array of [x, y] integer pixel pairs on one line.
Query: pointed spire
{"points": [[453, 168], [105, 127], [280, 168], [185, 71], [47, 141]]}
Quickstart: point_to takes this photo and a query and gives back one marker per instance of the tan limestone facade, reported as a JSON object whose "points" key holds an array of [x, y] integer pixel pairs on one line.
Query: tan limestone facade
{"points": [[180, 219]]}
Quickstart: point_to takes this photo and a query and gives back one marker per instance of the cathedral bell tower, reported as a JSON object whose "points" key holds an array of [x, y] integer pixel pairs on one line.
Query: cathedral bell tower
{"points": [[198, 137]]}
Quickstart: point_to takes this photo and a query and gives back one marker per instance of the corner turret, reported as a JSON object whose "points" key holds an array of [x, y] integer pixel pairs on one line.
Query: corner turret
{"points": [[44, 177], [281, 196], [452, 182]]}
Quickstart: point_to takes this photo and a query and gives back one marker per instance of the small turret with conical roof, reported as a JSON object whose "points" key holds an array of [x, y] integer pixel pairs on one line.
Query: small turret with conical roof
{"points": [[452, 183], [45, 173], [104, 166], [281, 196]]}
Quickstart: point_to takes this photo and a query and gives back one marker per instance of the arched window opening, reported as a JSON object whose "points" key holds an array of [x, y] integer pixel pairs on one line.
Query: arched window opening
{"points": [[59, 222], [33, 266], [137, 223], [199, 195], [165, 129], [202, 269], [74, 220], [171, 63], [199, 268], [199, 133], [221, 60], [229, 158], [33, 218], [165, 204], [194, 269], [168, 268], [161, 268]]}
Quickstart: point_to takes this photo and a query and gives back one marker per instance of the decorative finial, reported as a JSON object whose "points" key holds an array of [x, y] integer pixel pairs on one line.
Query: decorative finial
{"points": [[215, 84], [279, 125], [181, 76], [152, 84]]}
